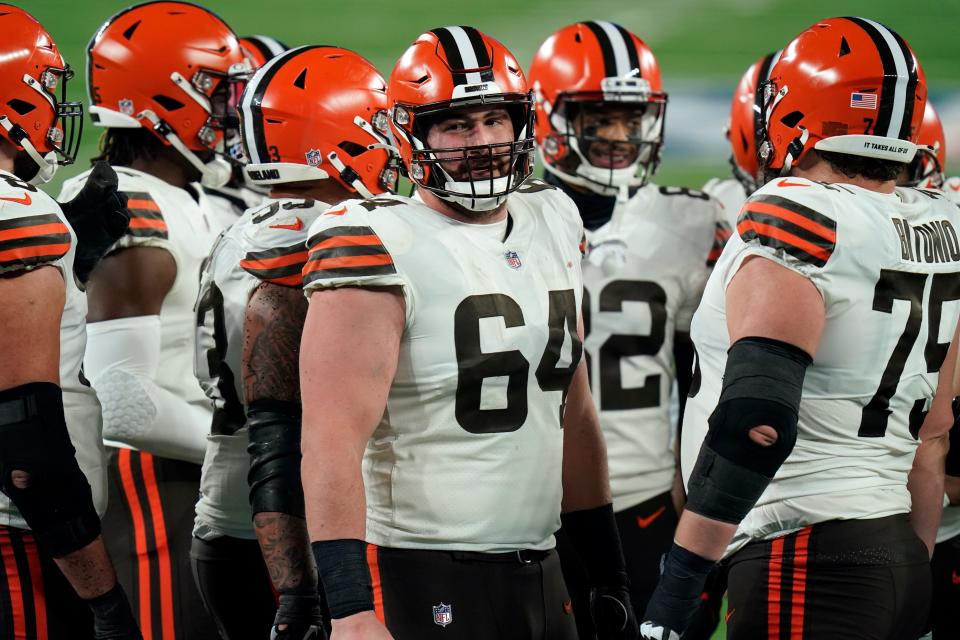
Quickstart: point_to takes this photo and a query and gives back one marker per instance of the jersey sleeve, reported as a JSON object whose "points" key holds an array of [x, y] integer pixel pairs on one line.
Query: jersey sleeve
{"points": [[31, 238], [792, 222], [275, 247], [345, 248]]}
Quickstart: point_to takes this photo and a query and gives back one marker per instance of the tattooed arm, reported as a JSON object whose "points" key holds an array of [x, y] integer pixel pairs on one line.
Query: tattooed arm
{"points": [[271, 351]]}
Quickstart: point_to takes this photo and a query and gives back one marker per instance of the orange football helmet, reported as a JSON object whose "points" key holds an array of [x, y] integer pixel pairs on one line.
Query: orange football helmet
{"points": [[927, 167], [259, 49], [46, 129], [446, 69], [318, 112], [176, 69], [846, 85], [746, 122], [591, 64]]}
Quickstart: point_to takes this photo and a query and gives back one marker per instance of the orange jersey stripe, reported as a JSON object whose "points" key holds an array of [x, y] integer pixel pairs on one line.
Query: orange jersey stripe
{"points": [[36, 230], [347, 241], [149, 205], [773, 588], [374, 564], [139, 540], [784, 236], [22, 253], [13, 587], [36, 581], [147, 223], [799, 584], [795, 218], [274, 263], [347, 261], [295, 280], [163, 548]]}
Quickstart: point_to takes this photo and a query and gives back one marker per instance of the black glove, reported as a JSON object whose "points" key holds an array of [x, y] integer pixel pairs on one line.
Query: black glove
{"points": [[99, 217], [112, 617], [300, 611], [676, 599], [613, 616]]}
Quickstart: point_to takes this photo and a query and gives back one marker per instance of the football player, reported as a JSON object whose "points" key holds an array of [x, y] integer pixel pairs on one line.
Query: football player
{"points": [[315, 126], [927, 172], [239, 194], [819, 341], [164, 79], [743, 133], [600, 112], [441, 356], [58, 579]]}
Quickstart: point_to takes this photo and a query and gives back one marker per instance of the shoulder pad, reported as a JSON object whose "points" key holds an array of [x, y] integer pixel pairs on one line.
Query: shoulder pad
{"points": [[793, 215], [343, 244], [32, 229], [275, 240]]}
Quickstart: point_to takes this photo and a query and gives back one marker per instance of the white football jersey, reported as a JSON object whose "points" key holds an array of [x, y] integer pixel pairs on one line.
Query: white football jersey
{"points": [[468, 453], [886, 266], [643, 276], [267, 244], [35, 233], [731, 195], [950, 521], [179, 221]]}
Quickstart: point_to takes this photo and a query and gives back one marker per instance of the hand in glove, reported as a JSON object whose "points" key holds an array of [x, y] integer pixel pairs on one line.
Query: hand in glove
{"points": [[98, 215]]}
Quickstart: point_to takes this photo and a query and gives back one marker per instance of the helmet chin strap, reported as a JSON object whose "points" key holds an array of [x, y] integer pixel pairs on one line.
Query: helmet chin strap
{"points": [[46, 163], [213, 174]]}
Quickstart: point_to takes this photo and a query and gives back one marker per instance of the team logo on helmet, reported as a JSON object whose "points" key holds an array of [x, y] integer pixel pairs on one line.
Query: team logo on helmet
{"points": [[443, 614], [126, 106], [314, 157]]}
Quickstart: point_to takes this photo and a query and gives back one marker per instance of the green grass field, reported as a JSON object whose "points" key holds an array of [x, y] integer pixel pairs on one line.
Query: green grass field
{"points": [[701, 44]]}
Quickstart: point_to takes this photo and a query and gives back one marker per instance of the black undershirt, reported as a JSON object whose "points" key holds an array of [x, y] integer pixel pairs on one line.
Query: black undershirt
{"points": [[595, 209]]}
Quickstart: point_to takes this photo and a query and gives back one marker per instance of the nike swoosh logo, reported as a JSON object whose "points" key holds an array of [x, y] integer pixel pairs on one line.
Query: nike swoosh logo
{"points": [[643, 523], [339, 211], [25, 200], [783, 182], [955, 578], [296, 226], [726, 617]]}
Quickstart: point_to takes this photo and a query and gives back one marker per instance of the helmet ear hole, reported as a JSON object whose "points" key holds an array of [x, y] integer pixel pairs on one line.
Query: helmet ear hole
{"points": [[352, 148], [168, 103], [792, 119], [22, 107]]}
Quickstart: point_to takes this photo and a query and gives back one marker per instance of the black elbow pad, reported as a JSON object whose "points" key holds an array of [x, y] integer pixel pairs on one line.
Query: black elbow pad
{"points": [[274, 478]]}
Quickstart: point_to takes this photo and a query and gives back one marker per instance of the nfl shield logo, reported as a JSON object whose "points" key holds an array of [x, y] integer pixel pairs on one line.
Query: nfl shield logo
{"points": [[513, 259], [313, 158], [443, 614], [126, 106]]}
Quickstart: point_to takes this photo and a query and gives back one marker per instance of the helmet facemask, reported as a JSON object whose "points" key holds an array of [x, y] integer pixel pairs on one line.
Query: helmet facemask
{"points": [[925, 170], [478, 177], [62, 137], [583, 122]]}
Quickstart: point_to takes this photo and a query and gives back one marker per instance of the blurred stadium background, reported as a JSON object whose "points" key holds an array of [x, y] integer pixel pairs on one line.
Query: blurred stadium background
{"points": [[703, 47]]}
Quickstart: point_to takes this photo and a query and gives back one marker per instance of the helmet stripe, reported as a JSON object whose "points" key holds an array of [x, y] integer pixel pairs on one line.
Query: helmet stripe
{"points": [[910, 100], [619, 46], [606, 49], [480, 49], [267, 46], [452, 51], [253, 98], [633, 55], [896, 78]]}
